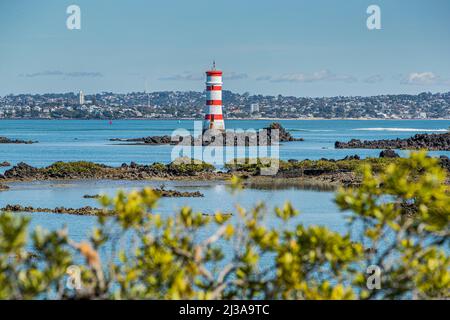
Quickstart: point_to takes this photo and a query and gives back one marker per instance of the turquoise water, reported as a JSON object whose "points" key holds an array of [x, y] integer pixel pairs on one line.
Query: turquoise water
{"points": [[69, 140]]}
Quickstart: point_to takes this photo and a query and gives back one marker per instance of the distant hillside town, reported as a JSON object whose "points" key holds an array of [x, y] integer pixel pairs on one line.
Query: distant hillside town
{"points": [[190, 104]]}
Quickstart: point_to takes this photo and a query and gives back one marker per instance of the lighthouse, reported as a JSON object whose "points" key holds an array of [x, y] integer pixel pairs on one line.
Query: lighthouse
{"points": [[213, 111]]}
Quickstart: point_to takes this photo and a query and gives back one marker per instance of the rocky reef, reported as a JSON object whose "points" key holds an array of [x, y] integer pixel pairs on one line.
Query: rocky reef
{"points": [[15, 141], [389, 153], [319, 174], [5, 164], [178, 169], [258, 138], [84, 211], [162, 193], [299, 172], [152, 140], [419, 141], [178, 194], [92, 196], [217, 138]]}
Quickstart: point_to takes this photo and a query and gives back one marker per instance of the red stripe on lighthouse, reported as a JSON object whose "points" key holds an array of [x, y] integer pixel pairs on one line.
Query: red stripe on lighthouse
{"points": [[214, 102], [214, 73], [213, 117], [213, 88]]}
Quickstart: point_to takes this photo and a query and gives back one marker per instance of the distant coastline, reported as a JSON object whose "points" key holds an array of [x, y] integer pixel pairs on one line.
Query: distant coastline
{"points": [[191, 104], [234, 119]]}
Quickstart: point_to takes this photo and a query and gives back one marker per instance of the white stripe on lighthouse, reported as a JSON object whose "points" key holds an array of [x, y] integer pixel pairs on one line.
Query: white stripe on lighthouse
{"points": [[214, 95], [215, 110], [214, 80]]}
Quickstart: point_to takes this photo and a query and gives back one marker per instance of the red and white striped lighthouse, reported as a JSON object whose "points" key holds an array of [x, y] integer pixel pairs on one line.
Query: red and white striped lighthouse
{"points": [[213, 110]]}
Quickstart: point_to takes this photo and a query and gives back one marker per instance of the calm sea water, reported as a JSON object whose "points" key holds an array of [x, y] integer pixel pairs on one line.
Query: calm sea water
{"points": [[70, 140]]}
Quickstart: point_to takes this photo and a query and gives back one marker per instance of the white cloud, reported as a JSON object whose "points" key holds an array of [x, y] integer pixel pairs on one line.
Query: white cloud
{"points": [[234, 76], [422, 78], [53, 73], [322, 75], [189, 76], [185, 76]]}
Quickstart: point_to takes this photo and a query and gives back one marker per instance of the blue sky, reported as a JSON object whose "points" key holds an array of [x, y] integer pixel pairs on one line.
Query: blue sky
{"points": [[290, 47]]}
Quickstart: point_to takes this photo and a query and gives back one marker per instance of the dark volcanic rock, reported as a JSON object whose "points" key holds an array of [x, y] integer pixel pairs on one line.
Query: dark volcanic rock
{"points": [[5, 164], [445, 162], [354, 157], [84, 211], [419, 141], [91, 196], [21, 170], [284, 136], [3, 187], [389, 153], [151, 140], [178, 194], [163, 193], [89, 170], [16, 141], [257, 138]]}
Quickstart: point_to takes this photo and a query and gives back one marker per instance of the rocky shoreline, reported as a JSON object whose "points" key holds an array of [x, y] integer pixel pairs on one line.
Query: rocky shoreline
{"points": [[325, 172], [83, 170], [217, 138], [432, 142]]}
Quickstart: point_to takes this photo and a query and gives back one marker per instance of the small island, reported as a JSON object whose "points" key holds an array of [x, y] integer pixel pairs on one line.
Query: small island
{"points": [[238, 139]]}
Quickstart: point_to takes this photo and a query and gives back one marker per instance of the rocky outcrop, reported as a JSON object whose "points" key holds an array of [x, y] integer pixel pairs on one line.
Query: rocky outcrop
{"points": [[217, 138], [151, 140], [162, 193], [84, 211], [5, 164], [15, 141], [353, 157], [284, 135], [21, 170], [389, 153], [178, 194], [88, 170], [3, 187], [91, 196], [419, 141]]}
